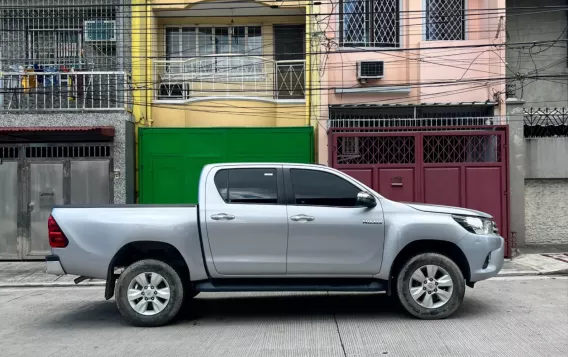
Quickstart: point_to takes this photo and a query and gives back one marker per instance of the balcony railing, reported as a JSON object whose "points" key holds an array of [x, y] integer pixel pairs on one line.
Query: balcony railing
{"points": [[229, 76], [64, 91]]}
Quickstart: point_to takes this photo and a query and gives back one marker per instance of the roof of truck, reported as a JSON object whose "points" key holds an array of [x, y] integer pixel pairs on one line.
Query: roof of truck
{"points": [[263, 164]]}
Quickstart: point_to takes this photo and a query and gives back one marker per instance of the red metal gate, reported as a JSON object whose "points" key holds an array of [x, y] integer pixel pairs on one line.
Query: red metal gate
{"points": [[464, 168]]}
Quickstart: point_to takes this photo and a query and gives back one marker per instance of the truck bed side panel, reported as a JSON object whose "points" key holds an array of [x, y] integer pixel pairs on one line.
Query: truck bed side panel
{"points": [[96, 234]]}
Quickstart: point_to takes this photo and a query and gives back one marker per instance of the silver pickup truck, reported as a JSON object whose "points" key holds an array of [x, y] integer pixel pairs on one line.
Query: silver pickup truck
{"points": [[276, 227]]}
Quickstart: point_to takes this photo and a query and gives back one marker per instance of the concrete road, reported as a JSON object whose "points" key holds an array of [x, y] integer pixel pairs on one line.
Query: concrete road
{"points": [[522, 316]]}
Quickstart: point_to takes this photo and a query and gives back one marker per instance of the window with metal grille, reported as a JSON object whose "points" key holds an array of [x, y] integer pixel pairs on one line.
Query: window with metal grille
{"points": [[9, 152], [370, 23], [64, 151], [445, 20], [55, 46]]}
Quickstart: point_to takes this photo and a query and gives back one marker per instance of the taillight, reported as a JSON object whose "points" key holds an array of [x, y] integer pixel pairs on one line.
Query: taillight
{"points": [[56, 237]]}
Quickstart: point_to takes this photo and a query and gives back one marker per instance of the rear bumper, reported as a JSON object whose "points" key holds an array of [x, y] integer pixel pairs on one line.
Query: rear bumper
{"points": [[477, 249], [53, 265]]}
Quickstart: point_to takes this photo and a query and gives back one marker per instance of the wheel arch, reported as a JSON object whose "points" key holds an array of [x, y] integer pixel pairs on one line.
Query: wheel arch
{"points": [[139, 250], [446, 248]]}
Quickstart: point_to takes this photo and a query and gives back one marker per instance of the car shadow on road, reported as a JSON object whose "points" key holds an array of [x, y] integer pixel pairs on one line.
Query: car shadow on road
{"points": [[290, 306], [375, 305], [243, 307]]}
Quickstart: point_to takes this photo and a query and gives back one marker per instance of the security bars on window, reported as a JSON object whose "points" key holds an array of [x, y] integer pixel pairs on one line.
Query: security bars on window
{"points": [[445, 20], [370, 23]]}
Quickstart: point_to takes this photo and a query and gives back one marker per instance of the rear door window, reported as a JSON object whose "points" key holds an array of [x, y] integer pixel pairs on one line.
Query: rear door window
{"points": [[248, 185]]}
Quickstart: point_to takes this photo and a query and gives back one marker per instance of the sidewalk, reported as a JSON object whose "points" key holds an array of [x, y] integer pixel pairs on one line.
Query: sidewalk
{"points": [[32, 274]]}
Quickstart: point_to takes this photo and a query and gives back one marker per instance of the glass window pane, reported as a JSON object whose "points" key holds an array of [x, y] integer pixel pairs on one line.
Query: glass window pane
{"points": [[222, 182], [238, 40], [188, 42], [222, 40], [318, 188], [354, 24], [172, 42], [254, 42], [254, 186], [205, 40]]}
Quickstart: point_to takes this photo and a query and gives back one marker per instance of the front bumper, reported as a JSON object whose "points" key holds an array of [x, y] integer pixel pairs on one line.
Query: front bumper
{"points": [[477, 249], [53, 265]]}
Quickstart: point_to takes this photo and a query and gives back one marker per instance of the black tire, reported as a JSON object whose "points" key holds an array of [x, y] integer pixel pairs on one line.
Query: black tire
{"points": [[190, 294], [412, 306], [172, 307]]}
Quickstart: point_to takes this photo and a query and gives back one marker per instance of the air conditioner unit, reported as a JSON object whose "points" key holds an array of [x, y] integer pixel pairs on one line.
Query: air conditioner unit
{"points": [[370, 70], [100, 31]]}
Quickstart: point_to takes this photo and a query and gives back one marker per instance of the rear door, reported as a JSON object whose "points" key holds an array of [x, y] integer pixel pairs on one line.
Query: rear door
{"points": [[329, 234], [246, 220]]}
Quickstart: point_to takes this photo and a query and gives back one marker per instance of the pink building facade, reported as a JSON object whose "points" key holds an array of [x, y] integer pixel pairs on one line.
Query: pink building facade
{"points": [[413, 96], [440, 62]]}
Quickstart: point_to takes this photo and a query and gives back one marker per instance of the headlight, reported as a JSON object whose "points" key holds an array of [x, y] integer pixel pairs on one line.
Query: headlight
{"points": [[476, 225]]}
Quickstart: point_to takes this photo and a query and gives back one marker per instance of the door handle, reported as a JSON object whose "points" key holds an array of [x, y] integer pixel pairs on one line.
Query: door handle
{"points": [[222, 217], [302, 217]]}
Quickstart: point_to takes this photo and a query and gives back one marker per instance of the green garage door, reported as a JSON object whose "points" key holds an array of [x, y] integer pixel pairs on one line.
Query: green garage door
{"points": [[171, 159]]}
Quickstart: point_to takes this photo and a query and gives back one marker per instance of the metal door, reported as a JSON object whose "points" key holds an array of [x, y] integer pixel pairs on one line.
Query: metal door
{"points": [[90, 182], [466, 167], [9, 210], [45, 191], [36, 176]]}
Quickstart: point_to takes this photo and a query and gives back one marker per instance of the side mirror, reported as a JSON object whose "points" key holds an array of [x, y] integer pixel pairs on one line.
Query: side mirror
{"points": [[365, 199]]}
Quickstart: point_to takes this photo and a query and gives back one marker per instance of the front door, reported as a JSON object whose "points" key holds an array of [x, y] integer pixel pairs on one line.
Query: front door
{"points": [[8, 209], [246, 221], [328, 232]]}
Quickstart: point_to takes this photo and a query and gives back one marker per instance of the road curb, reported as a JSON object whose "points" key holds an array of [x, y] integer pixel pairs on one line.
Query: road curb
{"points": [[534, 273], [519, 273], [51, 285]]}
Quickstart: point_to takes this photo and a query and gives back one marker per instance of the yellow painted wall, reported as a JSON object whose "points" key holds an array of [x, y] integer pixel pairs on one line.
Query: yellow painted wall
{"points": [[215, 113], [224, 113], [227, 113], [182, 4]]}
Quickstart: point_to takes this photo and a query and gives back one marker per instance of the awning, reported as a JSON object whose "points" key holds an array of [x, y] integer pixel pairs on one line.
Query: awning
{"points": [[56, 134]]}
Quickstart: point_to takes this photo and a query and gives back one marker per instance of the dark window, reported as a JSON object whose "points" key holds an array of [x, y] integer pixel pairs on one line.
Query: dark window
{"points": [[370, 23], [445, 20], [251, 186], [318, 188], [222, 183]]}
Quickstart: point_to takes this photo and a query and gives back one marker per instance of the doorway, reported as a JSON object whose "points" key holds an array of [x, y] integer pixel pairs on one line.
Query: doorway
{"points": [[290, 61]]}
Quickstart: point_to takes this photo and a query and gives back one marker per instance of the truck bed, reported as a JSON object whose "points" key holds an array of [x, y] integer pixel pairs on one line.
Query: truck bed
{"points": [[96, 233]]}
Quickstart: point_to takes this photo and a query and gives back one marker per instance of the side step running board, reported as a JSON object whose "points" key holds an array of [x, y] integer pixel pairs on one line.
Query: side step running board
{"points": [[208, 286]]}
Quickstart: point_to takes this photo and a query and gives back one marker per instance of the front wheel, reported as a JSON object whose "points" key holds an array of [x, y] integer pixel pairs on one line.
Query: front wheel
{"points": [[149, 293], [430, 286]]}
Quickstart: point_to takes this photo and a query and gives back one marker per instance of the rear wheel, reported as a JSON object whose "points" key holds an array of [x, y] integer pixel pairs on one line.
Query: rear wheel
{"points": [[430, 286], [149, 293]]}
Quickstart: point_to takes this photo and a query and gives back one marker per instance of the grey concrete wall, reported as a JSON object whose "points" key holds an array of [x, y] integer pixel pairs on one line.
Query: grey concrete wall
{"points": [[515, 114], [546, 205], [121, 121], [533, 27], [130, 162], [546, 158]]}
